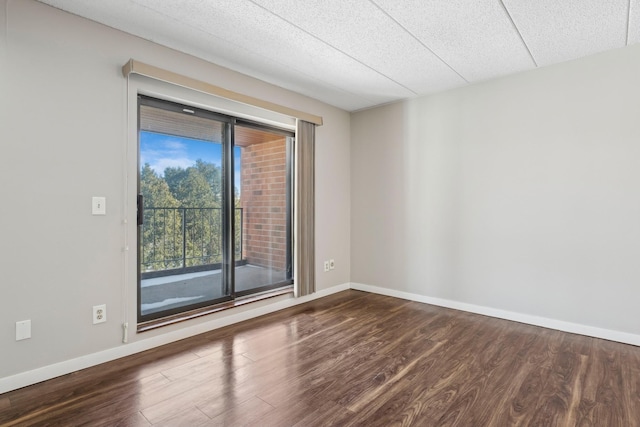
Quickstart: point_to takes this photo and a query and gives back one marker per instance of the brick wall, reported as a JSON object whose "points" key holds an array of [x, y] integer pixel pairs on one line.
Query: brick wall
{"points": [[262, 198]]}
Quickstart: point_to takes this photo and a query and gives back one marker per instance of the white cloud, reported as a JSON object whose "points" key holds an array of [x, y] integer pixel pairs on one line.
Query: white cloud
{"points": [[162, 163], [166, 153], [172, 146]]}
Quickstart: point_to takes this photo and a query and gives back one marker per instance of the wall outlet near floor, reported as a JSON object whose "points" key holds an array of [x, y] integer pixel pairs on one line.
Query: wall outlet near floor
{"points": [[326, 266], [332, 264], [23, 330], [99, 313]]}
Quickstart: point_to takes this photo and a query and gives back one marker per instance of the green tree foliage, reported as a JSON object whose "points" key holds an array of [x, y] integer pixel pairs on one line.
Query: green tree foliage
{"points": [[182, 216], [190, 187], [155, 190], [196, 186], [161, 232], [213, 175]]}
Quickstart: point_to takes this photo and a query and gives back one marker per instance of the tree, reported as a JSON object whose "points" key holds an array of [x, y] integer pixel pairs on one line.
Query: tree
{"points": [[197, 189], [190, 187], [155, 190], [161, 230], [213, 175], [184, 208]]}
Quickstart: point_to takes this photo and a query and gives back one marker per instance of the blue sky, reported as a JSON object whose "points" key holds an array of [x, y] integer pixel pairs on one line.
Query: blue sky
{"points": [[162, 151]]}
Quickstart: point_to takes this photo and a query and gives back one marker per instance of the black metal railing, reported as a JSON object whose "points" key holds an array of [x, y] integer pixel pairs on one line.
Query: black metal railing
{"points": [[184, 239]]}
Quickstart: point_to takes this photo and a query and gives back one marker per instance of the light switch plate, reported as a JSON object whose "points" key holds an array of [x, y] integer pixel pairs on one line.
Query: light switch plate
{"points": [[99, 206], [23, 330]]}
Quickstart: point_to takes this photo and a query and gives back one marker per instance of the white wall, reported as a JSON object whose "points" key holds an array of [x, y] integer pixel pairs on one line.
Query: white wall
{"points": [[64, 139], [520, 194]]}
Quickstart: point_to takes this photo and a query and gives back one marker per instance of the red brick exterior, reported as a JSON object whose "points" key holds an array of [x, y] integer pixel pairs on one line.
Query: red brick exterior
{"points": [[262, 198]]}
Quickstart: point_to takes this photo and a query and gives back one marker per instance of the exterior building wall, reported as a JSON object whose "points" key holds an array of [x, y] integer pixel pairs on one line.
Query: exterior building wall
{"points": [[263, 194]]}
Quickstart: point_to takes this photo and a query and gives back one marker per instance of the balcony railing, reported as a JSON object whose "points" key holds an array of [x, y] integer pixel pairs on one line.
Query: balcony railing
{"points": [[184, 239]]}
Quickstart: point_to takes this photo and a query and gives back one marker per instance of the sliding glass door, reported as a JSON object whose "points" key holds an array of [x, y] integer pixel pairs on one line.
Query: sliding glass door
{"points": [[264, 202], [214, 208]]}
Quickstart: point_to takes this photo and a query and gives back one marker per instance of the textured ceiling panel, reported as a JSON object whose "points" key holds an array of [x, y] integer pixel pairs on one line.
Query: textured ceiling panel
{"points": [[356, 54], [115, 13], [558, 31], [165, 29], [634, 22], [364, 32], [269, 69], [476, 38], [250, 26]]}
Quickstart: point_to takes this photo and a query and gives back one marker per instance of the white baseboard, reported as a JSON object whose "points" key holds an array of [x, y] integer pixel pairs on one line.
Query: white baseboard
{"points": [[24, 379], [544, 322], [34, 376]]}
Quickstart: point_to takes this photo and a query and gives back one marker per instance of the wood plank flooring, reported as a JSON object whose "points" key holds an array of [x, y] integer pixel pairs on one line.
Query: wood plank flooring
{"points": [[351, 359]]}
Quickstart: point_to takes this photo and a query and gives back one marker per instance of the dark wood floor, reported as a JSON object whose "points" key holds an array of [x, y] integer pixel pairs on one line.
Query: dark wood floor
{"points": [[352, 359]]}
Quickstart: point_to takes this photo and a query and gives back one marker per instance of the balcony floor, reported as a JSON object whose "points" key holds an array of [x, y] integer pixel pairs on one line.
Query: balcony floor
{"points": [[163, 293]]}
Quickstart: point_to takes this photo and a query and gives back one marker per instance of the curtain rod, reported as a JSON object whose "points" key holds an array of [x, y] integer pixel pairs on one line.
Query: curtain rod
{"points": [[140, 68]]}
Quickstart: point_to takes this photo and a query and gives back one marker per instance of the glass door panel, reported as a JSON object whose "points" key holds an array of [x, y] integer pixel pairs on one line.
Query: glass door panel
{"points": [[263, 193], [181, 233]]}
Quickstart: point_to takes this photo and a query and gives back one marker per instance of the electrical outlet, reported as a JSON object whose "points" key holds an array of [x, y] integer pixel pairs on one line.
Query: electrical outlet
{"points": [[326, 266], [99, 313], [332, 264]]}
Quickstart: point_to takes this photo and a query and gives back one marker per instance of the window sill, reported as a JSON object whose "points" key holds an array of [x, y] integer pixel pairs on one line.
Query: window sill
{"points": [[181, 317]]}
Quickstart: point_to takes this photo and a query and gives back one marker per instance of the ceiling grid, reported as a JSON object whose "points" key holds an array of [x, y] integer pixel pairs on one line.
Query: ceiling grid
{"points": [[337, 48], [419, 41], [356, 54], [633, 27], [524, 42]]}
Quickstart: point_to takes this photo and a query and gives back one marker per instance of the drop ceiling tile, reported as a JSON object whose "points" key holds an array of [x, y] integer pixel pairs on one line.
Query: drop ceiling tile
{"points": [[476, 38], [162, 26], [249, 26], [270, 70], [558, 31], [266, 68], [366, 33], [634, 22], [357, 53], [115, 13]]}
